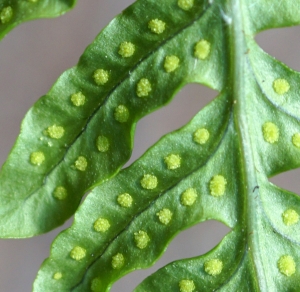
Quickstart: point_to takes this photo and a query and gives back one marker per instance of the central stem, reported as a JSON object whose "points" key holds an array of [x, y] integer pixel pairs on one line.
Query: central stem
{"points": [[239, 87]]}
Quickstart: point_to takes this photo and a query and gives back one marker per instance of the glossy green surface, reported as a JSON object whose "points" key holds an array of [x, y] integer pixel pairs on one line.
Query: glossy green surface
{"points": [[216, 167], [110, 100]]}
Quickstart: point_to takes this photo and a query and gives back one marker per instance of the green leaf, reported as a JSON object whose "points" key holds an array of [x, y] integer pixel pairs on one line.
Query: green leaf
{"points": [[13, 13], [81, 132], [216, 167]]}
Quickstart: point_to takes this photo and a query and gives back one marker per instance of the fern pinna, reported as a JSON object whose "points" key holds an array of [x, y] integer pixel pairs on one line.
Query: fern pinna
{"points": [[77, 137]]}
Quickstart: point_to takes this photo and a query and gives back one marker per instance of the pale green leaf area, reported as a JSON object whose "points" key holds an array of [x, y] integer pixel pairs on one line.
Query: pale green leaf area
{"points": [[14, 12], [216, 167]]}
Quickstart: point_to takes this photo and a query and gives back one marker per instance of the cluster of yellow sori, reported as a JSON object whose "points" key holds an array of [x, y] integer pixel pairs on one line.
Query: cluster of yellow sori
{"points": [[144, 88], [173, 161], [212, 267], [142, 239], [270, 130]]}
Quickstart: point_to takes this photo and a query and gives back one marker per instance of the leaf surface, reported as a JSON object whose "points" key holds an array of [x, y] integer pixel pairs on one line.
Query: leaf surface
{"points": [[81, 132], [216, 167], [13, 13]]}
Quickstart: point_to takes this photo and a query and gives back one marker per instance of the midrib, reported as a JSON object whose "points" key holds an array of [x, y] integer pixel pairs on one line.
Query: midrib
{"points": [[238, 76]]}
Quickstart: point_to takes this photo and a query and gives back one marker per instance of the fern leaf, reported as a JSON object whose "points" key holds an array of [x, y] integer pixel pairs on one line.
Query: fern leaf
{"points": [[216, 167], [81, 132], [13, 13]]}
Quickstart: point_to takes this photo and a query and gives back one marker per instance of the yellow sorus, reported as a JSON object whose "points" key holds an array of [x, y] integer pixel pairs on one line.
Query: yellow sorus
{"points": [[201, 136], [217, 185], [143, 87], [126, 49], [286, 265], [281, 86], [101, 225], [37, 158], [171, 63], [213, 267], [157, 26], [185, 4], [149, 182], [202, 49], [101, 76], [270, 132], [78, 253]]}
